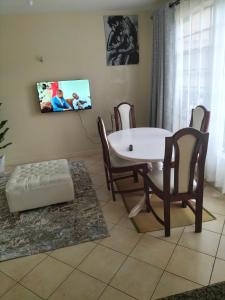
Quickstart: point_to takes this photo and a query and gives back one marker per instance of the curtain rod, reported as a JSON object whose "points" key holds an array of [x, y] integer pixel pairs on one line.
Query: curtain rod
{"points": [[174, 3]]}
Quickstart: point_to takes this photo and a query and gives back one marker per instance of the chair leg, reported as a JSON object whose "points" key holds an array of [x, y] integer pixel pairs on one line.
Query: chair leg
{"points": [[135, 176], [107, 179], [184, 205], [112, 187], [147, 201], [198, 214], [147, 195], [167, 217]]}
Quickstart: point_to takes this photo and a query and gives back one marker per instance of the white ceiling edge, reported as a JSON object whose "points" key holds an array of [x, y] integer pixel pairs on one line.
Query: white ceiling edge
{"points": [[13, 7]]}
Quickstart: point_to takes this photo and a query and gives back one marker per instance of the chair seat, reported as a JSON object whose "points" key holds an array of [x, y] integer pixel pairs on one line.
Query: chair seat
{"points": [[156, 176]]}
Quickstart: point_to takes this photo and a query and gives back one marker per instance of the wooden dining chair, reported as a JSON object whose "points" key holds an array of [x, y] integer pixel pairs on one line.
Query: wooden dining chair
{"points": [[124, 116], [200, 117], [114, 165], [185, 152]]}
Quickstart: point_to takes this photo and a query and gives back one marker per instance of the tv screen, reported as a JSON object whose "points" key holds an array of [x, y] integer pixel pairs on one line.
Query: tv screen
{"points": [[59, 96]]}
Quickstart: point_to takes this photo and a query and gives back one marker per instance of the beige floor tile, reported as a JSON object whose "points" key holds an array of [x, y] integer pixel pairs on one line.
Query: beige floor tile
{"points": [[94, 163], [109, 226], [214, 201], [94, 171], [215, 225], [221, 249], [75, 254], [171, 284], [215, 206], [210, 192], [173, 238], [192, 265], [137, 279], [79, 286], [46, 277], [113, 294], [102, 263], [102, 203], [121, 239], [154, 251], [104, 196], [20, 293], [5, 283], [218, 273], [97, 176], [126, 223], [98, 180], [205, 241], [17, 268], [114, 211]]}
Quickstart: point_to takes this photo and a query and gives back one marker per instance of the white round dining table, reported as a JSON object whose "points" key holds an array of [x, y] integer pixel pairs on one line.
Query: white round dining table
{"points": [[148, 143]]}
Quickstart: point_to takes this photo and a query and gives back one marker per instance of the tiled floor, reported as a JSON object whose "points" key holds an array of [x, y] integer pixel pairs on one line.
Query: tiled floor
{"points": [[125, 266]]}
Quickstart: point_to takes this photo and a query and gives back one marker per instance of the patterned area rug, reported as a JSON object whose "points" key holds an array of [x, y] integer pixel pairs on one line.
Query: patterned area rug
{"points": [[211, 292], [56, 226]]}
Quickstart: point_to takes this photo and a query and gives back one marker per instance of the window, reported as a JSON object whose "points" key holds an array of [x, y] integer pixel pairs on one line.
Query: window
{"points": [[195, 44], [200, 75]]}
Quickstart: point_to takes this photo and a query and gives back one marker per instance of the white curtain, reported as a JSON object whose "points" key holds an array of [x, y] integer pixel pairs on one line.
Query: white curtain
{"points": [[200, 75]]}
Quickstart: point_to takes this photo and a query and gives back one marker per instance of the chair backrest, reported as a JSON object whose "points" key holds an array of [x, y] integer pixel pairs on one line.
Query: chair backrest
{"points": [[124, 116], [104, 141], [200, 118], [185, 153]]}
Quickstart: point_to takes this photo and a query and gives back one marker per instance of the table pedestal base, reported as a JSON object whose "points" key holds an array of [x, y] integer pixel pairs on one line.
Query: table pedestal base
{"points": [[138, 208]]}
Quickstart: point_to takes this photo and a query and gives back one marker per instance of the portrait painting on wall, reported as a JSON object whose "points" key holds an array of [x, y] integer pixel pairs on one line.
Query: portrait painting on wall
{"points": [[121, 34]]}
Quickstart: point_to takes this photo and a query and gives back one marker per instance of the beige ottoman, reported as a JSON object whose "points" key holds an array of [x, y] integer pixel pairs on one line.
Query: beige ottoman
{"points": [[39, 184]]}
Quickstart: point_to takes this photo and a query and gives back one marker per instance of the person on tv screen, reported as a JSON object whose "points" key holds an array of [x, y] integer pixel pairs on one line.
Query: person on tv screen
{"points": [[77, 103], [59, 103]]}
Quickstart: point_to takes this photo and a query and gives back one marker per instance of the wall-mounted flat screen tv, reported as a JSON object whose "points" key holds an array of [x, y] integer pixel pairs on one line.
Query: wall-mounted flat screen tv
{"points": [[59, 96]]}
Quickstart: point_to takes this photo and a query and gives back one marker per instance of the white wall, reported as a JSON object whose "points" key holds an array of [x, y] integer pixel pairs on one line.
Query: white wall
{"points": [[73, 47]]}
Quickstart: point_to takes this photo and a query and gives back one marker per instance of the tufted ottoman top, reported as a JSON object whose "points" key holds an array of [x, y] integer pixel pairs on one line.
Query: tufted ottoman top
{"points": [[37, 175]]}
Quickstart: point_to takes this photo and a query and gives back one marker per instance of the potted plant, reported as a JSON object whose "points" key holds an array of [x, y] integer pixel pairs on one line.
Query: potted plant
{"points": [[3, 145]]}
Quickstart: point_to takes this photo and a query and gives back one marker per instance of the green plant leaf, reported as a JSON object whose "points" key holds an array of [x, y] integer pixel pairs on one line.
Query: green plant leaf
{"points": [[2, 134], [2, 123], [6, 145]]}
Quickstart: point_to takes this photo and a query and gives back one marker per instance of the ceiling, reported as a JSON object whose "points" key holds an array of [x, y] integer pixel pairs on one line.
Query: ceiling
{"points": [[48, 6]]}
